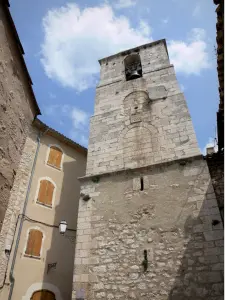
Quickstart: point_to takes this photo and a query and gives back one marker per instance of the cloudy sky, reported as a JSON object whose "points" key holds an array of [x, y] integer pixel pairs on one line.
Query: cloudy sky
{"points": [[63, 41]]}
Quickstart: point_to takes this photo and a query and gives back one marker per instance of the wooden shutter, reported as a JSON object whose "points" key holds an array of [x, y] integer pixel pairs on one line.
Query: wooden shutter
{"points": [[36, 251], [55, 157], [51, 156], [58, 158], [43, 295], [30, 243], [34, 243], [42, 191], [49, 193], [45, 193]]}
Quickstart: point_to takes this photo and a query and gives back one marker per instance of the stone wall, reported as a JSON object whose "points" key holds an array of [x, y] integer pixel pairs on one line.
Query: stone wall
{"points": [[17, 107], [16, 202], [175, 218], [215, 163]]}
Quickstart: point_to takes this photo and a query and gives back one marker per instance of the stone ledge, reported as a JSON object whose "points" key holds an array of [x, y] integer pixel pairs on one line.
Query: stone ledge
{"points": [[140, 169]]}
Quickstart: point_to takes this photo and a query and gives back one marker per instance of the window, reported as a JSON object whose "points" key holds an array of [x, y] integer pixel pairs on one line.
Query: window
{"points": [[133, 67], [141, 184], [55, 157], [34, 243], [45, 194], [43, 295]]}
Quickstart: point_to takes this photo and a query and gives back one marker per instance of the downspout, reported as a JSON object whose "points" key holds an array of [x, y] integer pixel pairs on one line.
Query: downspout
{"points": [[11, 277]]}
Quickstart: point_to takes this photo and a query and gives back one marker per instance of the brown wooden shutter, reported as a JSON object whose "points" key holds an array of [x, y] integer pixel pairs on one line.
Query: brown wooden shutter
{"points": [[42, 191], [30, 243], [46, 190], [55, 157], [49, 193], [36, 251], [51, 156], [58, 158]]}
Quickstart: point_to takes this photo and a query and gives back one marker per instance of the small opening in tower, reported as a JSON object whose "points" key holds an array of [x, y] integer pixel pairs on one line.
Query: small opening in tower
{"points": [[133, 68], [142, 183]]}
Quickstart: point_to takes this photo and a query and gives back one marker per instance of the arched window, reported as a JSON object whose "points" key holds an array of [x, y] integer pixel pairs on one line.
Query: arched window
{"points": [[133, 67], [43, 295], [45, 193], [55, 157], [34, 243]]}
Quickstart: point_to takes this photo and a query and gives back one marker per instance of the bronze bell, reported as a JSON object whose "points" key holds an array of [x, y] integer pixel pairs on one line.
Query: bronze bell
{"points": [[134, 74]]}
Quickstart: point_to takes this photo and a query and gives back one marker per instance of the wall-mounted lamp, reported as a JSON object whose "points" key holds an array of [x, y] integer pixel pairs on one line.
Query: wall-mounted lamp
{"points": [[62, 227]]}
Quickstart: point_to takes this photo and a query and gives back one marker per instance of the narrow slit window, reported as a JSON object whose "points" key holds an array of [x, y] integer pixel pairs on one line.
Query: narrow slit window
{"points": [[142, 183]]}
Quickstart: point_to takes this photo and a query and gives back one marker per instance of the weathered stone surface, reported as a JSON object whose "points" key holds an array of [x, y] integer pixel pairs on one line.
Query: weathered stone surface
{"points": [[158, 92], [16, 201], [17, 109], [156, 196], [182, 263]]}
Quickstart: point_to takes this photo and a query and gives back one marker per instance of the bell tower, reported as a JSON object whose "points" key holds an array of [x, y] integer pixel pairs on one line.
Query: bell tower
{"points": [[146, 188]]}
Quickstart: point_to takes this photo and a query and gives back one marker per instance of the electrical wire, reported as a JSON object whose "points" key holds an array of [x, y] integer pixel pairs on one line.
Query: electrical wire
{"points": [[43, 223]]}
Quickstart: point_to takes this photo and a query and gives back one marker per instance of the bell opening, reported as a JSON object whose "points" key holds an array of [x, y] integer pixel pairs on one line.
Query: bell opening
{"points": [[133, 68]]}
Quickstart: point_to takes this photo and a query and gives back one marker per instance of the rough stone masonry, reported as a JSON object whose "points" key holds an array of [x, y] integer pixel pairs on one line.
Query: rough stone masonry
{"points": [[151, 228]]}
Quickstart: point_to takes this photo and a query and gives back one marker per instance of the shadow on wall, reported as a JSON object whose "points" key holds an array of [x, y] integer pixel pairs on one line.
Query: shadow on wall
{"points": [[60, 257], [200, 270]]}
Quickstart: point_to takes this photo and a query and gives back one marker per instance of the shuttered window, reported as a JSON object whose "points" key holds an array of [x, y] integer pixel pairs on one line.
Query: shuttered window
{"points": [[45, 193], [43, 295], [34, 243], [55, 157]]}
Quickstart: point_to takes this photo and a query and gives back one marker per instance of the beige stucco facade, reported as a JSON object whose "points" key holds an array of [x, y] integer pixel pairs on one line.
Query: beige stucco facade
{"points": [[32, 274]]}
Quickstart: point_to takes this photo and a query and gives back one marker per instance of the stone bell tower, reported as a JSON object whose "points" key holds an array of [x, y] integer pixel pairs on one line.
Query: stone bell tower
{"points": [[148, 224]]}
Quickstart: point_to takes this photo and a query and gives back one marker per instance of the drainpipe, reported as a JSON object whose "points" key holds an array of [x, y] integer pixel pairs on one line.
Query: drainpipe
{"points": [[11, 277]]}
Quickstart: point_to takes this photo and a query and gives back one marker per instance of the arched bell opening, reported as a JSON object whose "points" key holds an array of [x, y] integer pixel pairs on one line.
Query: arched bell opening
{"points": [[133, 68]]}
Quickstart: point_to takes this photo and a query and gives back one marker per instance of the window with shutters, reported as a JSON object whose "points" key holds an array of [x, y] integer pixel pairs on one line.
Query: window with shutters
{"points": [[55, 157], [43, 295], [45, 193], [34, 243]]}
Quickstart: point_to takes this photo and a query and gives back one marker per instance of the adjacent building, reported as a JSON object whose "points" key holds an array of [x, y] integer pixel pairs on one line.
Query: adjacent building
{"points": [[36, 258], [148, 226], [18, 106]]}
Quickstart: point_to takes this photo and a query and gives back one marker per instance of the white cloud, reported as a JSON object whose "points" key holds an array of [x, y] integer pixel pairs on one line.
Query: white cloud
{"points": [[52, 95], [211, 143], [165, 21], [75, 39], [50, 110], [79, 118], [124, 3], [190, 57], [196, 10], [75, 118]]}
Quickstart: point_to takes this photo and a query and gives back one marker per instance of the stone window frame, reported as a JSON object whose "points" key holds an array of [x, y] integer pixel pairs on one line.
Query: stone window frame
{"points": [[47, 156], [53, 196], [38, 258]]}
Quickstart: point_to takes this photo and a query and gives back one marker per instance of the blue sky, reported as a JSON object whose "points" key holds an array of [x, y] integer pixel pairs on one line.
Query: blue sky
{"points": [[64, 39]]}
